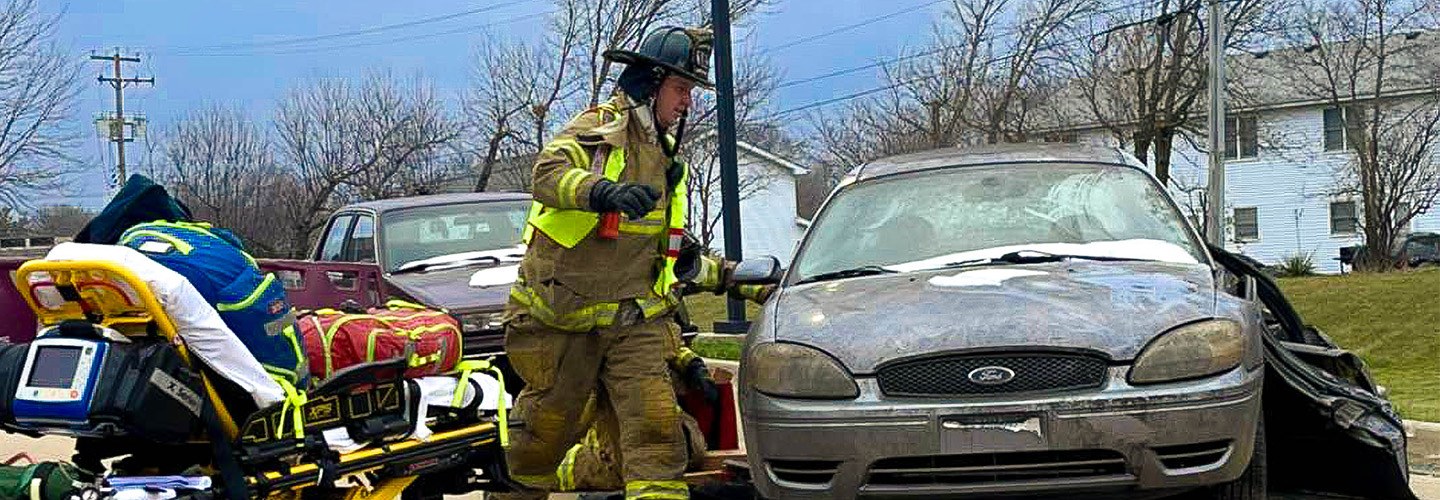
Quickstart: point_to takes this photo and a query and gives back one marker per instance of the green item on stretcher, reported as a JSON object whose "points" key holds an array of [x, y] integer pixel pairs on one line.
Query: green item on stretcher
{"points": [[42, 481]]}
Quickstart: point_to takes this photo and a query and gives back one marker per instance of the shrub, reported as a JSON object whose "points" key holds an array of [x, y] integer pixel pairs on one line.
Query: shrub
{"points": [[1296, 266]]}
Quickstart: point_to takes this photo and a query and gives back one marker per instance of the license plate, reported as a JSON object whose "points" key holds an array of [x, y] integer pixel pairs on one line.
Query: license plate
{"points": [[992, 433]]}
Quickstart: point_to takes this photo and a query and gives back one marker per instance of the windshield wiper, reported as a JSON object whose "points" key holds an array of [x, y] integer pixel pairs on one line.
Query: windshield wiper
{"points": [[423, 265], [847, 273], [1033, 257]]}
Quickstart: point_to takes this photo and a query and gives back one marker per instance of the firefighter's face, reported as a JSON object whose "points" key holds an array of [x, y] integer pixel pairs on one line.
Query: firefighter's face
{"points": [[673, 101]]}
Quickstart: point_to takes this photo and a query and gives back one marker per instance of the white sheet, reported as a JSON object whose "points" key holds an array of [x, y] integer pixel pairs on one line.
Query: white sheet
{"points": [[201, 328]]}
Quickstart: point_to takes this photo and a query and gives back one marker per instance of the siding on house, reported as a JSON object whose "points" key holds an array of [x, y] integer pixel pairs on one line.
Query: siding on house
{"points": [[1289, 182], [767, 217]]}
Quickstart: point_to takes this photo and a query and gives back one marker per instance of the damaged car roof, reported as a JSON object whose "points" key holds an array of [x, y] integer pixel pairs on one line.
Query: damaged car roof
{"points": [[993, 154]]}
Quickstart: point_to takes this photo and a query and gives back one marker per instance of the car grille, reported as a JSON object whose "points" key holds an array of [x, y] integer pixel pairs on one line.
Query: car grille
{"points": [[950, 376], [982, 468]]}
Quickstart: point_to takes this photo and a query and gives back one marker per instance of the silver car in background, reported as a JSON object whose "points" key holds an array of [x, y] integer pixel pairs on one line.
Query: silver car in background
{"points": [[1022, 319]]}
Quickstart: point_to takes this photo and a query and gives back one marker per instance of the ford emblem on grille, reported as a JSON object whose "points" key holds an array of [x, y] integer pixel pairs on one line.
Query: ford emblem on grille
{"points": [[991, 375]]}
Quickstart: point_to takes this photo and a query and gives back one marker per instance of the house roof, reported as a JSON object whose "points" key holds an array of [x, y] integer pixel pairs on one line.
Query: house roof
{"points": [[772, 157], [1285, 78]]}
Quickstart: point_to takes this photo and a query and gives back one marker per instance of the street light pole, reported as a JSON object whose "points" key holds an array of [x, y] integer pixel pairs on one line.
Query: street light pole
{"points": [[729, 175], [1215, 188]]}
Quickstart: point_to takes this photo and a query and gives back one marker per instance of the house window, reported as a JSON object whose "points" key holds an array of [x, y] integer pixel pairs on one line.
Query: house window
{"points": [[1337, 122], [1343, 219], [1247, 224], [1241, 137]]}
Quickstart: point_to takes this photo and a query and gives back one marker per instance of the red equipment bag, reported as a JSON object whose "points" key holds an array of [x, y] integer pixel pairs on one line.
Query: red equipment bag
{"points": [[335, 340]]}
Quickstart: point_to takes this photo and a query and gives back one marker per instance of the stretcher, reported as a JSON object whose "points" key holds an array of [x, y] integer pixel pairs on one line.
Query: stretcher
{"points": [[365, 433]]}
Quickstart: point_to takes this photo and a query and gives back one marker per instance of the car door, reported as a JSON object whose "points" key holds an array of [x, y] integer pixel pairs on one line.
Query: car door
{"points": [[1328, 428]]}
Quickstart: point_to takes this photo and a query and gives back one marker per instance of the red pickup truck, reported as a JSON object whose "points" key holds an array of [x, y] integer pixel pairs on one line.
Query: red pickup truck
{"points": [[457, 252]]}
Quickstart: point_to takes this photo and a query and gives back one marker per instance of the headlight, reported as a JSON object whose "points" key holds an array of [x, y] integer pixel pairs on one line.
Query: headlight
{"points": [[475, 322], [1191, 351], [796, 371]]}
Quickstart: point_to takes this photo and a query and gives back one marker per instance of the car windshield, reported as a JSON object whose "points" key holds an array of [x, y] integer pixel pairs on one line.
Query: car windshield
{"points": [[937, 219], [432, 233]]}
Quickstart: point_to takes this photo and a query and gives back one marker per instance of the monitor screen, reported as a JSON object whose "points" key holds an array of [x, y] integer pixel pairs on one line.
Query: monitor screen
{"points": [[54, 367]]}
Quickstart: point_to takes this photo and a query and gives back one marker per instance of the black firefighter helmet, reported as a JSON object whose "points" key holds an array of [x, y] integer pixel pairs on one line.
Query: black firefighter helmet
{"points": [[679, 51]]}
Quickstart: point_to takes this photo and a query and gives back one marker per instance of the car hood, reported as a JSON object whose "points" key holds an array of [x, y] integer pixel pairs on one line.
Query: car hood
{"points": [[1108, 307], [450, 289]]}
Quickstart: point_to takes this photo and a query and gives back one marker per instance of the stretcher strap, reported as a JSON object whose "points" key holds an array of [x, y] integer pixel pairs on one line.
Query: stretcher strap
{"points": [[294, 405], [465, 368]]}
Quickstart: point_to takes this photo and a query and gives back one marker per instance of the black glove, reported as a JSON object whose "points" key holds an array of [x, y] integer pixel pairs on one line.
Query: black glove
{"points": [[697, 377], [635, 200], [675, 173]]}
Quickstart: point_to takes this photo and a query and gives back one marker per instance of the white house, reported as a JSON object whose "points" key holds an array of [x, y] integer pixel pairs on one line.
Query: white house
{"points": [[769, 221], [1285, 159]]}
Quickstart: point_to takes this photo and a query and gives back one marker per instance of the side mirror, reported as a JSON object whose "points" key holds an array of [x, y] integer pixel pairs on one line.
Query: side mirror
{"points": [[758, 271]]}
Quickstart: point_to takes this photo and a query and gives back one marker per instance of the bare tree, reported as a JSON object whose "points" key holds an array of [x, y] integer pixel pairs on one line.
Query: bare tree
{"points": [[59, 220], [222, 165], [523, 94], [1144, 77], [343, 143], [38, 87], [989, 74], [1375, 67]]}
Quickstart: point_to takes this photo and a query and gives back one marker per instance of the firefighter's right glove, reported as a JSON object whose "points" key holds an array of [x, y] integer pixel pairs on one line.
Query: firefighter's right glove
{"points": [[635, 200], [697, 378]]}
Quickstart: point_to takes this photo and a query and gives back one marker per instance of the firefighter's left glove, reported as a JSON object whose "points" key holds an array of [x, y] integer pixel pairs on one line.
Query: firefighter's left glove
{"points": [[635, 200], [697, 378]]}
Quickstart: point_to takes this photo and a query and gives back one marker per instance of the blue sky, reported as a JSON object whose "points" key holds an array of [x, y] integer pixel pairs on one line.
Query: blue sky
{"points": [[181, 43]]}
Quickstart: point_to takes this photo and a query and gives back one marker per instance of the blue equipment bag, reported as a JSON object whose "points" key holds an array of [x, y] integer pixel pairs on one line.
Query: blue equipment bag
{"points": [[252, 304]]}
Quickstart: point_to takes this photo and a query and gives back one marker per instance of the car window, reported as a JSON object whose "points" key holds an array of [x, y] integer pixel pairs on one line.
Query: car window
{"points": [[420, 233], [334, 242], [361, 247], [974, 212]]}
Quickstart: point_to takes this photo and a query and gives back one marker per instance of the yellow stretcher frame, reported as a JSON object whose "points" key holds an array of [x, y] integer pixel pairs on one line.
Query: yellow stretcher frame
{"points": [[119, 299]]}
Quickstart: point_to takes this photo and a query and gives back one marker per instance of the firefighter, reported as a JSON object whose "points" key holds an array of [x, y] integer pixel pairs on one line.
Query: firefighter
{"points": [[591, 308], [594, 462]]}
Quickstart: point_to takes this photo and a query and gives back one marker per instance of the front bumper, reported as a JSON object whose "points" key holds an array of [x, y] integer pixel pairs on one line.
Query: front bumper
{"points": [[1121, 439]]}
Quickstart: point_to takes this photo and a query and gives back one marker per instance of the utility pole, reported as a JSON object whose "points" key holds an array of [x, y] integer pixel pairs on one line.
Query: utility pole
{"points": [[729, 175], [1215, 189], [116, 125]]}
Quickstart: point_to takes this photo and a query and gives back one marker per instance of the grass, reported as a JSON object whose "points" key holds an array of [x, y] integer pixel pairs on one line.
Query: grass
{"points": [[1391, 320], [705, 309]]}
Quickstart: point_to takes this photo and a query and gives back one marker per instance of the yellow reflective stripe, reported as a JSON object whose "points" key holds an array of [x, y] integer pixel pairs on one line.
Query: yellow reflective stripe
{"points": [[583, 320], [661, 490], [250, 300], [401, 304], [641, 228], [199, 227], [569, 183], [300, 361], [686, 356], [565, 475], [572, 151], [179, 244]]}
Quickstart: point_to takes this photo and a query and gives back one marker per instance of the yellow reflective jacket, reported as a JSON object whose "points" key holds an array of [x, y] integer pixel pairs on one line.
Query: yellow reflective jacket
{"points": [[571, 279]]}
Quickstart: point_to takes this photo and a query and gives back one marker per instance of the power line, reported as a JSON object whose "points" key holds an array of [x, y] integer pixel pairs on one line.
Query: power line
{"points": [[364, 31], [938, 50], [863, 93], [849, 27], [311, 50]]}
